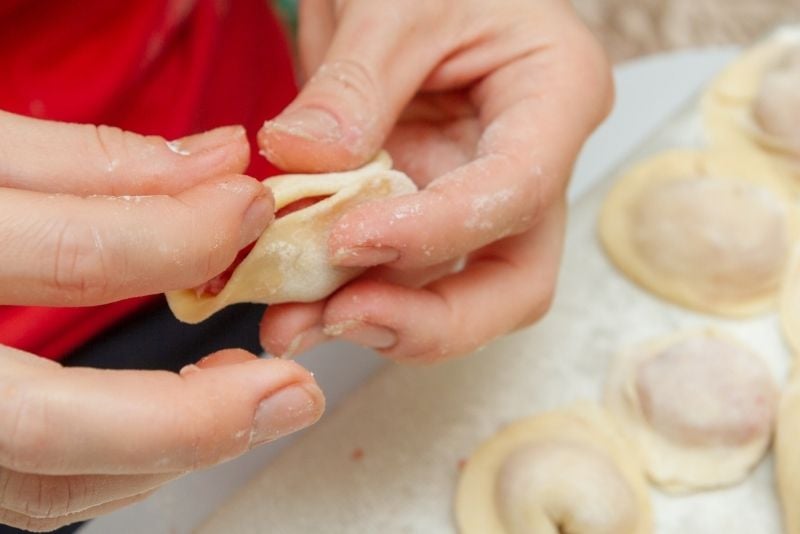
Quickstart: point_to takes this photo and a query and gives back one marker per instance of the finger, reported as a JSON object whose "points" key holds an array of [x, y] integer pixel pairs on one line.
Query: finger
{"points": [[83, 159], [51, 497], [538, 111], [414, 278], [34, 524], [287, 330], [69, 250], [478, 203], [72, 421], [505, 286], [376, 61], [316, 24]]}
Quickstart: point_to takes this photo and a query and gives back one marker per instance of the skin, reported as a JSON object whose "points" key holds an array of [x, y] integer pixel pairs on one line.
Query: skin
{"points": [[84, 226], [485, 104]]}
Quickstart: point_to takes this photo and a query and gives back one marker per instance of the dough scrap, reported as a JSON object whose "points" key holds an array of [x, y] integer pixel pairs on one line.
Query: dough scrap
{"points": [[787, 454], [711, 231], [755, 104], [699, 404], [289, 262], [562, 471]]}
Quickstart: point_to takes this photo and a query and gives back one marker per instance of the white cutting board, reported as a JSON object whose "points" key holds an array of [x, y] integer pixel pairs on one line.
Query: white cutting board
{"points": [[648, 93]]}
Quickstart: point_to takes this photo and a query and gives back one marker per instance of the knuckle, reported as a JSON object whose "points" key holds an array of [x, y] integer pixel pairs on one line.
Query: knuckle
{"points": [[25, 428], [37, 497], [420, 18], [80, 266], [350, 77], [74, 494], [114, 149], [106, 145]]}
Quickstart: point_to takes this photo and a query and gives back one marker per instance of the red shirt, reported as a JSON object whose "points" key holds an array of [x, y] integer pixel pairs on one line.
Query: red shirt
{"points": [[166, 67]]}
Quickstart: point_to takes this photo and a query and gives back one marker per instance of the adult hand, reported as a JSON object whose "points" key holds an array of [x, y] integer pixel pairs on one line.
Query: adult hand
{"points": [[90, 215], [485, 103], [78, 442]]}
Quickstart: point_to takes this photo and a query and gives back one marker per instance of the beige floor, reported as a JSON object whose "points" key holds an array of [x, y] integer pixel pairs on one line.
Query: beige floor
{"points": [[630, 28]]}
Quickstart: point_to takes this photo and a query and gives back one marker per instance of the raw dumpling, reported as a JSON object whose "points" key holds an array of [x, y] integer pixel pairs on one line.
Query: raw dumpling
{"points": [[787, 454], [700, 405], [289, 262], [776, 109], [710, 231], [755, 103], [563, 471]]}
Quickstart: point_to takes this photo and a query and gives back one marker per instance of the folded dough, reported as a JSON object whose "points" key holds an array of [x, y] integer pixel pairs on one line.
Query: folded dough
{"points": [[289, 262], [563, 471], [700, 405], [787, 454], [711, 231]]}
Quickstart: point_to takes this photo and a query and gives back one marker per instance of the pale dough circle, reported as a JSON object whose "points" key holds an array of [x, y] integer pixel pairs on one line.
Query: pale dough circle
{"points": [[754, 104], [562, 471], [699, 404], [787, 454], [289, 262], [711, 231]]}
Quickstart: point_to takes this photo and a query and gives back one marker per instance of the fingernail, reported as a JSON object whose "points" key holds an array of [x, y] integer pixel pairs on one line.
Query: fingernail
{"points": [[309, 123], [304, 341], [289, 410], [224, 358], [365, 334], [187, 370], [365, 256], [210, 140], [255, 220]]}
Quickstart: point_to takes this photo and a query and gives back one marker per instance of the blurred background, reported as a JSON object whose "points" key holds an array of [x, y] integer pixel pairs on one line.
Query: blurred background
{"points": [[632, 28]]}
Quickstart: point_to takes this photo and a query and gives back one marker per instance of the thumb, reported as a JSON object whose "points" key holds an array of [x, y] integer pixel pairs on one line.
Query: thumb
{"points": [[74, 421], [376, 61]]}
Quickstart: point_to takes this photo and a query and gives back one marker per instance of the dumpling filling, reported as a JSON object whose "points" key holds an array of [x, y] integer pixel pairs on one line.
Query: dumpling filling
{"points": [[704, 391]]}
